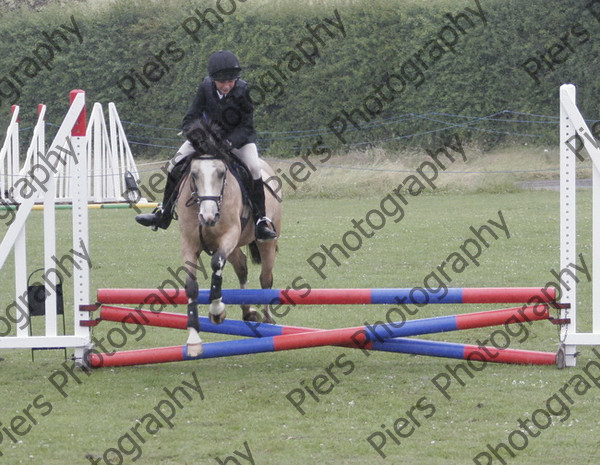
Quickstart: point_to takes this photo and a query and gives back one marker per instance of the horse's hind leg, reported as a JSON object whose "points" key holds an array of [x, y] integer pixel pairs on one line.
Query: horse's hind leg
{"points": [[267, 256], [240, 265]]}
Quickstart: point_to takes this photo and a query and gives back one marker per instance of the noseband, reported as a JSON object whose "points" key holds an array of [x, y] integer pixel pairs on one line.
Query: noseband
{"points": [[198, 199]]}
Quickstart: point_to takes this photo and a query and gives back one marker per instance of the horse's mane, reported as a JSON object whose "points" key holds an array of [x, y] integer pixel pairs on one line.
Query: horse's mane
{"points": [[207, 139]]}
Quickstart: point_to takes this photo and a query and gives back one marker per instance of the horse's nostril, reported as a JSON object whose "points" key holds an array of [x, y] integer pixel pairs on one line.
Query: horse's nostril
{"points": [[207, 221]]}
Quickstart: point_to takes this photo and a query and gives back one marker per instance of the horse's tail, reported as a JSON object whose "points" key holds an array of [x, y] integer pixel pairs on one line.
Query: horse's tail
{"points": [[254, 253]]}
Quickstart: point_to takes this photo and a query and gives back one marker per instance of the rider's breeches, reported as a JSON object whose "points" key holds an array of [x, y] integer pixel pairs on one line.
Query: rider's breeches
{"points": [[248, 154]]}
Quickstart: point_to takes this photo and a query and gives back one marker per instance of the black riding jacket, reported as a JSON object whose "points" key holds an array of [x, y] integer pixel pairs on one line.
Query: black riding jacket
{"points": [[233, 112]]}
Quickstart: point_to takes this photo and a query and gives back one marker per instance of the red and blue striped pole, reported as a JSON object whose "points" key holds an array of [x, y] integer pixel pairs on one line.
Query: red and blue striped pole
{"points": [[416, 295], [464, 351], [367, 338], [401, 345]]}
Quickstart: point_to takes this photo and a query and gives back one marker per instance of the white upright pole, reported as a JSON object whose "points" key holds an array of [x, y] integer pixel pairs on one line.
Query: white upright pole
{"points": [[49, 215], [79, 192], [20, 254], [568, 220]]}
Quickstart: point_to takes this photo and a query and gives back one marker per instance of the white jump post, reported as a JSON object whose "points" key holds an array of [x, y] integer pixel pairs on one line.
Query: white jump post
{"points": [[123, 158], [36, 148], [110, 161], [9, 155], [572, 124], [41, 177]]}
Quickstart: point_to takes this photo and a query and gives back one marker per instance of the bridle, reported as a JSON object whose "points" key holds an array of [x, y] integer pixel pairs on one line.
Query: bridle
{"points": [[198, 199]]}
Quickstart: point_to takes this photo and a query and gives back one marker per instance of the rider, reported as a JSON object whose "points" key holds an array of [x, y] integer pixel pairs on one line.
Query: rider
{"points": [[222, 97]]}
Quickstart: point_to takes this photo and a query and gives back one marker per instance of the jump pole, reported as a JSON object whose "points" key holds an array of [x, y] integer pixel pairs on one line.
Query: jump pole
{"points": [[360, 337], [91, 206], [402, 345], [475, 295]]}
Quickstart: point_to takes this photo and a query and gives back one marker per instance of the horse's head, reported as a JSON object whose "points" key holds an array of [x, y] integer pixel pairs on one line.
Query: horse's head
{"points": [[208, 169], [207, 182]]}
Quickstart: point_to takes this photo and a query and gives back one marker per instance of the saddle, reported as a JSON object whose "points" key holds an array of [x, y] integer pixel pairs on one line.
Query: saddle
{"points": [[244, 178]]}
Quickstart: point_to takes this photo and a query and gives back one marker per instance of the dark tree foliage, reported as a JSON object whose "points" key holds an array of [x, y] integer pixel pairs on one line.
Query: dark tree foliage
{"points": [[149, 56]]}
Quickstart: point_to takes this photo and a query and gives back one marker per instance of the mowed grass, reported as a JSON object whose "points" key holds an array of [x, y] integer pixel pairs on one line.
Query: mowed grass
{"points": [[244, 406]]}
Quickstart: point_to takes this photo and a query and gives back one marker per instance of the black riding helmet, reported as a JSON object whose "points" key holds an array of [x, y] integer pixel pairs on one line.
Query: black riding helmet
{"points": [[223, 66]]}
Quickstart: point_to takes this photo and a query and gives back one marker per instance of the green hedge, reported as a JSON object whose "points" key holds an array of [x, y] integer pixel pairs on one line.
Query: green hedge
{"points": [[385, 41]]}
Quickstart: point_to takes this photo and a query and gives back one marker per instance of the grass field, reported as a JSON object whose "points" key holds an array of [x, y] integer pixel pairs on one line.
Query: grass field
{"points": [[236, 410]]}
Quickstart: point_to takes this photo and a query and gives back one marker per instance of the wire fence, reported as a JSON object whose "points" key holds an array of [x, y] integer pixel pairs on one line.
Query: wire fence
{"points": [[503, 123], [416, 129]]}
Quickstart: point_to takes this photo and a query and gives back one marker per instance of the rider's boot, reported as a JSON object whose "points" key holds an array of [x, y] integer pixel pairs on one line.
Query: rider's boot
{"points": [[161, 216], [257, 197]]}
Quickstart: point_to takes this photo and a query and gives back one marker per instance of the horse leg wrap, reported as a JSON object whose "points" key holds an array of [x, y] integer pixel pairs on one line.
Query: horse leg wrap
{"points": [[215, 287], [191, 288], [192, 312]]}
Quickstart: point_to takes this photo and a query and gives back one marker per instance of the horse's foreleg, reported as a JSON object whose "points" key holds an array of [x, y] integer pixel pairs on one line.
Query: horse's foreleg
{"points": [[194, 343], [216, 309]]}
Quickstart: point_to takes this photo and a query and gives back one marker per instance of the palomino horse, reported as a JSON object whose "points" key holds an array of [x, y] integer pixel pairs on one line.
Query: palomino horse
{"points": [[214, 218]]}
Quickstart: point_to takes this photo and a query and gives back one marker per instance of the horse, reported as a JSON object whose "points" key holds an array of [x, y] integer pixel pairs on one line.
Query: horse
{"points": [[214, 218]]}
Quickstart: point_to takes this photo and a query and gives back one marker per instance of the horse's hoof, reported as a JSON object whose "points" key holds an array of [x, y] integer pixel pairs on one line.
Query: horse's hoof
{"points": [[194, 350], [251, 315], [216, 307], [216, 311], [268, 319], [217, 319], [194, 343]]}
